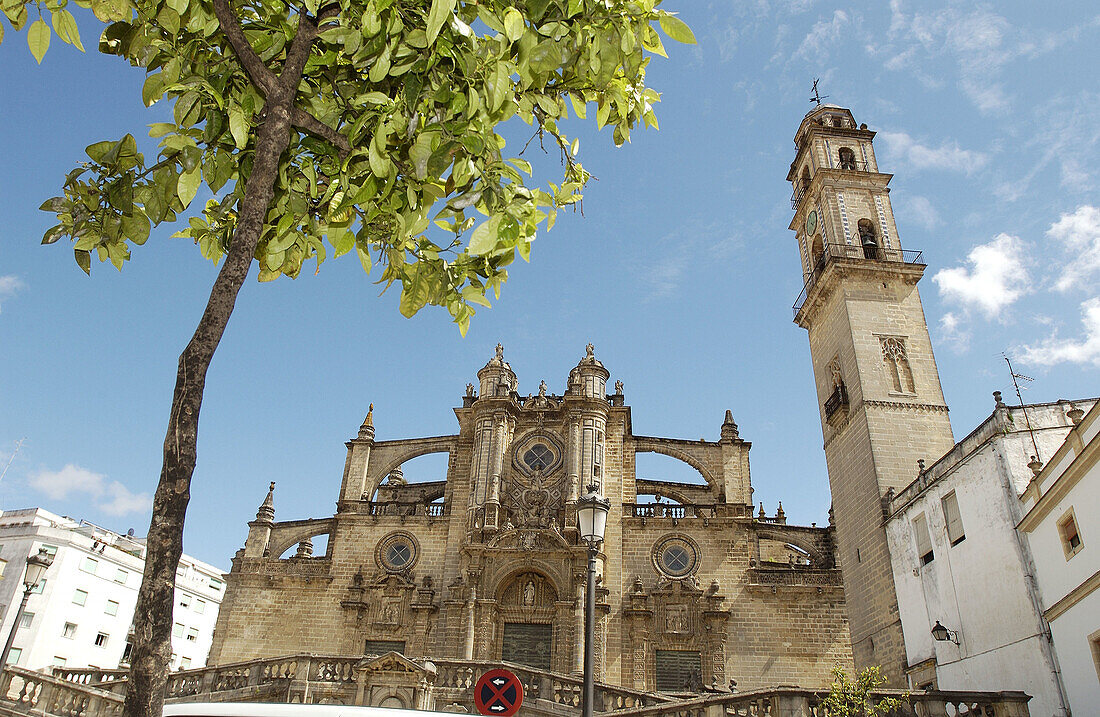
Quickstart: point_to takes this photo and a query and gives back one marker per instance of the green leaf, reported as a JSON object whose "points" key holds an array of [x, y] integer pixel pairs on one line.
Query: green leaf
{"points": [[441, 11], [153, 90], [677, 29], [238, 126], [484, 238], [64, 24], [38, 39], [513, 24], [83, 260], [188, 185]]}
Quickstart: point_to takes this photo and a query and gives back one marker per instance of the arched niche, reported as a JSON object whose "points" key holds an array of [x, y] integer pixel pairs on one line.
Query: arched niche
{"points": [[284, 544]]}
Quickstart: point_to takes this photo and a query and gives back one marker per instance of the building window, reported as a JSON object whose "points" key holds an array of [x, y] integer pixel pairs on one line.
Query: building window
{"points": [[185, 663], [952, 518], [37, 589], [216, 584], [69, 631], [177, 630], [126, 652], [200, 606], [896, 360], [14, 655], [59, 661], [675, 557], [396, 552], [111, 608], [1071, 536], [924, 539], [101, 639], [185, 600], [80, 597], [192, 634], [26, 620], [89, 565], [51, 550], [121, 576]]}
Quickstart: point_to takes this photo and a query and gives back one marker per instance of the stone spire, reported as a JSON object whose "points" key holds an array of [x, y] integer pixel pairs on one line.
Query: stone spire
{"points": [[266, 513], [496, 377], [729, 428], [366, 431], [589, 377]]}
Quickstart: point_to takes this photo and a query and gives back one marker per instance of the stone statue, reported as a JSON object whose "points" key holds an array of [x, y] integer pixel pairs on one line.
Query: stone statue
{"points": [[590, 350], [500, 352], [529, 593], [469, 390], [542, 389], [618, 388]]}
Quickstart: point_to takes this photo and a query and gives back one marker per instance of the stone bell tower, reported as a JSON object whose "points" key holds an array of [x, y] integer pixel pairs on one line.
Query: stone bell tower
{"points": [[878, 388]]}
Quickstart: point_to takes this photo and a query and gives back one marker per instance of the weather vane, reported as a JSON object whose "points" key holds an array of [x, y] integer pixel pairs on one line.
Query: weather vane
{"points": [[817, 96]]}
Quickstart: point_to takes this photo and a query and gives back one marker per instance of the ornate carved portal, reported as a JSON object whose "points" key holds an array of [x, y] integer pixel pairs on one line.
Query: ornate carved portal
{"points": [[391, 608], [676, 618]]}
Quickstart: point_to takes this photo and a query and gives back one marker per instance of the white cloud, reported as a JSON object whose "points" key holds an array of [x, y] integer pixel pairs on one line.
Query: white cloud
{"points": [[823, 35], [995, 278], [948, 156], [1080, 233], [954, 333], [10, 285], [111, 497], [919, 210], [1055, 350]]}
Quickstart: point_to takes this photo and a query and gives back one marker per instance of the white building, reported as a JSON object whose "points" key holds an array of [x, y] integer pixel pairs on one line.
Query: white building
{"points": [[959, 561], [1062, 526], [81, 612]]}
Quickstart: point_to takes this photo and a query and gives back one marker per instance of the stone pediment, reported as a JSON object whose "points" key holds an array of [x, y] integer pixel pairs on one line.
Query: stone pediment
{"points": [[396, 662]]}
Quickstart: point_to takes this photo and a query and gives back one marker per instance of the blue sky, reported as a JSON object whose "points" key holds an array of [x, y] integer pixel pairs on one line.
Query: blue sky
{"points": [[681, 270]]}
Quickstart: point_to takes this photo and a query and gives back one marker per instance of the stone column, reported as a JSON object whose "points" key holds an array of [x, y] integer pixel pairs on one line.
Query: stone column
{"points": [[579, 580], [471, 619]]}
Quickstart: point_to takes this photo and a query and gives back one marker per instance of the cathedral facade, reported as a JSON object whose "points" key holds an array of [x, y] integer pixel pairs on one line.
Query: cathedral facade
{"points": [[694, 591]]}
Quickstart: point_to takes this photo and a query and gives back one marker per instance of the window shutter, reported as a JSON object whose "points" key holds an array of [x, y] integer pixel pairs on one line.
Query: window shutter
{"points": [[924, 540], [953, 519]]}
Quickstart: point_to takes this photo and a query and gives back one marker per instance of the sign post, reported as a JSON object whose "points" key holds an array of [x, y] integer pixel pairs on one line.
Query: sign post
{"points": [[498, 693]]}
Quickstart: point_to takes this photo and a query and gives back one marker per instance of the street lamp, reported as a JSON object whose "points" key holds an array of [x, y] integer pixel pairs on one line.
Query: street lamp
{"points": [[37, 565], [942, 634], [592, 509]]}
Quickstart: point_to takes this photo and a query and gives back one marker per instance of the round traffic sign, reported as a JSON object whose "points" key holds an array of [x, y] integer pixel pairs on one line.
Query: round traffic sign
{"points": [[498, 693]]}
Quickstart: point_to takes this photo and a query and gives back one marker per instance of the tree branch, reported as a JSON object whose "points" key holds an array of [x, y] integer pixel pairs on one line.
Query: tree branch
{"points": [[305, 121], [258, 72]]}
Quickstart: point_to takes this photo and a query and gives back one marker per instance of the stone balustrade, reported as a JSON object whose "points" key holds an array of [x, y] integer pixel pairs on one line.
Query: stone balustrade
{"points": [[318, 678], [25, 692]]}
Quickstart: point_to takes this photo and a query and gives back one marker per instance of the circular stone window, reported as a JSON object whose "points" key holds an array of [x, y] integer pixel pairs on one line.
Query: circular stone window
{"points": [[676, 556], [397, 552]]}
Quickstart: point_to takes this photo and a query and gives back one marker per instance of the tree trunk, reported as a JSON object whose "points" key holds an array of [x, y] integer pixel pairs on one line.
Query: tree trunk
{"points": [[152, 639]]}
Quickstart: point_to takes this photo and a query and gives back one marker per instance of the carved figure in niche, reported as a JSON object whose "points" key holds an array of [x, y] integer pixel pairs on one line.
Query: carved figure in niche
{"points": [[838, 381], [470, 390], [529, 593], [389, 613], [528, 541], [676, 619]]}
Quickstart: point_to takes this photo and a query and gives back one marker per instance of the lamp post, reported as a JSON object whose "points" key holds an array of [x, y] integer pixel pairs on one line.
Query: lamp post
{"points": [[37, 565], [942, 634], [592, 509]]}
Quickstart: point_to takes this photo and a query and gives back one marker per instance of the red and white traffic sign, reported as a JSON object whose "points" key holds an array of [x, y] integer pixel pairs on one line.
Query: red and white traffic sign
{"points": [[498, 693]]}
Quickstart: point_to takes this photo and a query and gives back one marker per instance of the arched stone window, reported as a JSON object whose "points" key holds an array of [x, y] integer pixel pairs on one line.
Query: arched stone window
{"points": [[868, 238], [847, 158], [896, 361]]}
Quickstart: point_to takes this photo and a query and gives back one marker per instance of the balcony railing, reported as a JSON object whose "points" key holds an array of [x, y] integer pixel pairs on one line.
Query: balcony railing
{"points": [[668, 510], [852, 165], [850, 252], [837, 401]]}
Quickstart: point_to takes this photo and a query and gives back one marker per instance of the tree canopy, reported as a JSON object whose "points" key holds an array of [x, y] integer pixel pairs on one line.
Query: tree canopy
{"points": [[396, 116]]}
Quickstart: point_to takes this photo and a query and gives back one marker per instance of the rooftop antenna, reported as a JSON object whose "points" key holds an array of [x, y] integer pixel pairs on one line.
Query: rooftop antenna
{"points": [[1016, 378], [11, 458], [817, 95]]}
